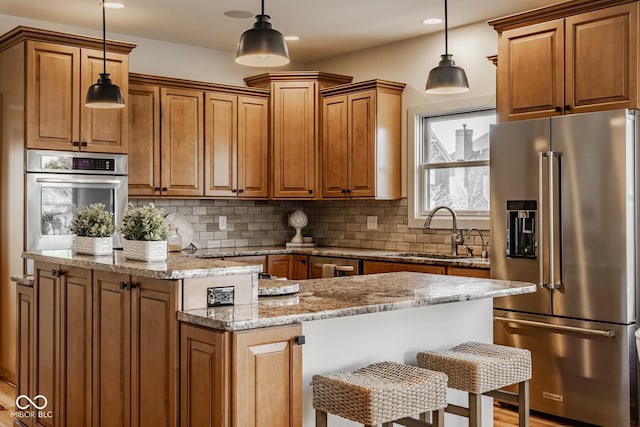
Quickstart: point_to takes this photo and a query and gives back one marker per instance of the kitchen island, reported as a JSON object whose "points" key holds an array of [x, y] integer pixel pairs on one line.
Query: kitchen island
{"points": [[129, 342]]}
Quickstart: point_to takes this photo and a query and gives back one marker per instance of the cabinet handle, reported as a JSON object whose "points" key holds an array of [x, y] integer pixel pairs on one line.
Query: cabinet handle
{"points": [[165, 189], [127, 285], [310, 191], [558, 109], [303, 261], [156, 188], [131, 286], [300, 339], [241, 190], [348, 191], [57, 273], [75, 143], [567, 107], [123, 285], [235, 190], [84, 144]]}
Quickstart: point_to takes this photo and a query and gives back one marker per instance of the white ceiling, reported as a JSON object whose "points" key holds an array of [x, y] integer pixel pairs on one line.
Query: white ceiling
{"points": [[326, 27]]}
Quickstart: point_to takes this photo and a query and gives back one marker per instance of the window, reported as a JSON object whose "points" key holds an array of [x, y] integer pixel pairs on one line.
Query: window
{"points": [[451, 164]]}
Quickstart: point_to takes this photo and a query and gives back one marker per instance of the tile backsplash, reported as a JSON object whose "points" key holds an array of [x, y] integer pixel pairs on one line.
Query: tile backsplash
{"points": [[332, 223]]}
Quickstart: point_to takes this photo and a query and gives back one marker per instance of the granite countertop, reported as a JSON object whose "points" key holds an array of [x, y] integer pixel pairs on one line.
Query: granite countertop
{"points": [[352, 295], [177, 266], [368, 254]]}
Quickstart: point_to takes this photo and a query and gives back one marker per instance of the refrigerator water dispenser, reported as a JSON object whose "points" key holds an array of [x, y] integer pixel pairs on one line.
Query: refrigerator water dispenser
{"points": [[521, 228]]}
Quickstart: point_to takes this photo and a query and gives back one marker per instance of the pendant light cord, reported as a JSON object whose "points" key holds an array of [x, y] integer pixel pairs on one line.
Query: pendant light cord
{"points": [[104, 41], [262, 13], [446, 29]]}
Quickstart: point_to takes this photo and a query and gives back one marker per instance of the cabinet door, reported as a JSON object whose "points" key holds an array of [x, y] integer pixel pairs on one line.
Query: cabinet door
{"points": [[47, 349], [267, 378], [253, 143], [25, 357], [372, 267], [104, 130], [250, 259], [335, 148], [300, 267], [531, 71], [76, 355], [53, 91], [204, 377], [469, 272], [602, 59], [293, 139], [280, 265], [112, 350], [220, 147], [182, 147], [362, 145], [154, 353], [144, 131]]}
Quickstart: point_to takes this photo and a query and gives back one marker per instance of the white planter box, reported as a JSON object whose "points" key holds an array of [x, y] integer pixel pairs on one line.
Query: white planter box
{"points": [[141, 250], [93, 245]]}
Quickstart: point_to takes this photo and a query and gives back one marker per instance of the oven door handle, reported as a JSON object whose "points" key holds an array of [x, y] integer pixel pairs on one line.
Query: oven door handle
{"points": [[78, 181]]}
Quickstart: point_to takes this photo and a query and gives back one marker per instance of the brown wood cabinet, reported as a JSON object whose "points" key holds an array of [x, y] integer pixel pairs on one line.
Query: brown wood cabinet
{"points": [[144, 129], [236, 145], [25, 357], [295, 125], [569, 58], [135, 336], [300, 267], [267, 377], [372, 267], [361, 140], [483, 273], [204, 377], [280, 265], [58, 77]]}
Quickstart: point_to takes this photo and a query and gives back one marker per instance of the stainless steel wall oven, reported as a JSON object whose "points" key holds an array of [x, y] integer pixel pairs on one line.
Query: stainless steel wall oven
{"points": [[58, 183]]}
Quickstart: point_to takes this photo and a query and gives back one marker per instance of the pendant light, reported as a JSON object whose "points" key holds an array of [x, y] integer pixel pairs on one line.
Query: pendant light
{"points": [[446, 78], [262, 46], [104, 94]]}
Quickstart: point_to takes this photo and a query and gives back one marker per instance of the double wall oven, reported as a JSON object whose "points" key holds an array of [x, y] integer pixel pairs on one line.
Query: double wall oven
{"points": [[58, 183]]}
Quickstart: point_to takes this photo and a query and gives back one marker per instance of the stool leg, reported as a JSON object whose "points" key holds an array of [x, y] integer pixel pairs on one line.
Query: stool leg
{"points": [[523, 404], [475, 410], [321, 418], [437, 418], [424, 416]]}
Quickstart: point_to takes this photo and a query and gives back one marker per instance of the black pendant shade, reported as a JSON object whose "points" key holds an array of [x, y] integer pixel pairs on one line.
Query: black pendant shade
{"points": [[446, 78], [262, 46], [104, 94]]}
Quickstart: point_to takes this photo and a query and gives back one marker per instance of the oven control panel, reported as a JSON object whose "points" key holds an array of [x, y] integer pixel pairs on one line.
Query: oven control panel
{"points": [[92, 164]]}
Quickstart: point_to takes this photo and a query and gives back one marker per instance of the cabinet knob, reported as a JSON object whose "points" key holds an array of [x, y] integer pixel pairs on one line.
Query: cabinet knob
{"points": [[76, 143], [156, 188], [300, 339], [558, 109], [123, 285], [84, 144], [165, 189], [241, 190], [348, 191], [310, 191], [127, 285], [567, 108], [57, 273], [235, 190]]}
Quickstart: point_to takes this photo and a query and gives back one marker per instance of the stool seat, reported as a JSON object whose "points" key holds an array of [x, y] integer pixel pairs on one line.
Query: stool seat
{"points": [[380, 393], [479, 367]]}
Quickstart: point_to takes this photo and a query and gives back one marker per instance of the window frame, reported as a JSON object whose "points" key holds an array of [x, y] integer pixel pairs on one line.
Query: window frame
{"points": [[416, 169]]}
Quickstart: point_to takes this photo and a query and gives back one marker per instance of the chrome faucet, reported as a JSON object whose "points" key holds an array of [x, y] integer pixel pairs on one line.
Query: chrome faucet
{"points": [[484, 254], [456, 235]]}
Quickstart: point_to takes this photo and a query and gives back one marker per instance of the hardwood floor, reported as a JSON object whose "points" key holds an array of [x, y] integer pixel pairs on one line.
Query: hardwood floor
{"points": [[7, 404], [503, 415]]}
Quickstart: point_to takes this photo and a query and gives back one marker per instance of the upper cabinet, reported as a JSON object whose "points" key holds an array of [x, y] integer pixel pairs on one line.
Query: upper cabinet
{"points": [[361, 140], [295, 124], [55, 71], [573, 57], [236, 145]]}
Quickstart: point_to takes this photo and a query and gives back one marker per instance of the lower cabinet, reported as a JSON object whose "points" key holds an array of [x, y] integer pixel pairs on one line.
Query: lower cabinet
{"points": [[242, 379], [371, 267], [103, 348]]}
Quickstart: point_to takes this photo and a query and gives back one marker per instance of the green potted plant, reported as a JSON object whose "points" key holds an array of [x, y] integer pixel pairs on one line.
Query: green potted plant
{"points": [[93, 228], [144, 233]]}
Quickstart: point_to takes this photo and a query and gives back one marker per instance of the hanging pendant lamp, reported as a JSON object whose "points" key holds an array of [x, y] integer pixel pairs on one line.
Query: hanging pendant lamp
{"points": [[446, 78], [104, 94], [262, 46]]}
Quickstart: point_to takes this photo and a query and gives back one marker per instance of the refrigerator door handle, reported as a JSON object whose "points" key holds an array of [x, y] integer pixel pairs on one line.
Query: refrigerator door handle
{"points": [[553, 185], [598, 332], [541, 157]]}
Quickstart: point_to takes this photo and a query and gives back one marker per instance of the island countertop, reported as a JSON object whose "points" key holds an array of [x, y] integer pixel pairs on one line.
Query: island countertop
{"points": [[177, 266], [353, 295]]}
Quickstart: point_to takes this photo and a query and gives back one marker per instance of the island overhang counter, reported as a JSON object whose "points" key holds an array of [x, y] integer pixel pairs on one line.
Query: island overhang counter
{"points": [[240, 365]]}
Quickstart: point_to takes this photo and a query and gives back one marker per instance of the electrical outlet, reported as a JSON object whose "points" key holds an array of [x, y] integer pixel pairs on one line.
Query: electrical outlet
{"points": [[372, 223], [222, 222], [220, 296]]}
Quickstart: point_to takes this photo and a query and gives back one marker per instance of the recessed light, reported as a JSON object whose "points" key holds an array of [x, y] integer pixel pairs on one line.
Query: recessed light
{"points": [[113, 5], [432, 21], [241, 14], [291, 38]]}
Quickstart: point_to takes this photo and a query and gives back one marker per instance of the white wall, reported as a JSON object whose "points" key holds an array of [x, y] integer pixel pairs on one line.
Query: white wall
{"points": [[158, 57]]}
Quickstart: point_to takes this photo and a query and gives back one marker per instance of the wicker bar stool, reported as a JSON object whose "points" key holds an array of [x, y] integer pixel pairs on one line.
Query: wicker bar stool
{"points": [[381, 394], [480, 368]]}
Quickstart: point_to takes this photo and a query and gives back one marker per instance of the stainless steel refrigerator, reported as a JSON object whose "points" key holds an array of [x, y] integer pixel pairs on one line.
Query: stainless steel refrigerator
{"points": [[564, 214]]}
